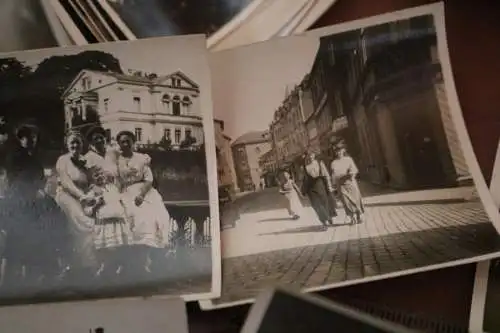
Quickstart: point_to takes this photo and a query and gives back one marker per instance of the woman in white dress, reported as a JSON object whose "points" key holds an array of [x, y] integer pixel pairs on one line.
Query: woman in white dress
{"points": [[344, 172], [290, 190], [143, 203], [71, 194], [112, 234]]}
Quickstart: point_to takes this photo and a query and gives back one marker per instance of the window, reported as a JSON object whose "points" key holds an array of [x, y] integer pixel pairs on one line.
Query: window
{"points": [[176, 106], [177, 135], [137, 104], [165, 101], [166, 132], [338, 104], [187, 133], [138, 134], [106, 104], [86, 83]]}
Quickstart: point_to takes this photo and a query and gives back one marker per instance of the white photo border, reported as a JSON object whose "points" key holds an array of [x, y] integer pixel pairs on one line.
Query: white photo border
{"points": [[438, 13], [478, 303]]}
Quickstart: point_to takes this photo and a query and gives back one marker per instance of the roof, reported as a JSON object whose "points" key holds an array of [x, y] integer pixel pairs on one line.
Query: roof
{"points": [[129, 78], [252, 137]]}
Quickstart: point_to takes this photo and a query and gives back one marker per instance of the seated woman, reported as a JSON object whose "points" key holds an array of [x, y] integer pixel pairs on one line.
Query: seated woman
{"points": [[143, 203], [71, 196], [112, 230]]}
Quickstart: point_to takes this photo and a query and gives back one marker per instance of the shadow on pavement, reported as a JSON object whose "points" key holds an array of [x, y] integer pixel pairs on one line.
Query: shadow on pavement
{"points": [[276, 219]]}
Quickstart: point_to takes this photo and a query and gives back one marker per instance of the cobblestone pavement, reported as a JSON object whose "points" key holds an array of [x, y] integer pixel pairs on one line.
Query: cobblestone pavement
{"points": [[393, 238]]}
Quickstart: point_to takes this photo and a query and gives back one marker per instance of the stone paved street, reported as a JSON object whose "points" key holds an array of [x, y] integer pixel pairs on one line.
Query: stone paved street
{"points": [[266, 247]]}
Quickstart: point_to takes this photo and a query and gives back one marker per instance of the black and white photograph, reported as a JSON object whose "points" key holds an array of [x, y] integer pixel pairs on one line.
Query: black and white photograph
{"points": [[108, 174], [106, 316], [486, 295], [351, 160], [280, 310]]}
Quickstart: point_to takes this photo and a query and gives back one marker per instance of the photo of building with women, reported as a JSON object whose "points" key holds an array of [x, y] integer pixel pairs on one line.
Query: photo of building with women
{"points": [[350, 161], [105, 185]]}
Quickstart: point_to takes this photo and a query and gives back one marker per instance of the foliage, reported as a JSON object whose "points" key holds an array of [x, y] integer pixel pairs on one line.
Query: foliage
{"points": [[35, 92]]}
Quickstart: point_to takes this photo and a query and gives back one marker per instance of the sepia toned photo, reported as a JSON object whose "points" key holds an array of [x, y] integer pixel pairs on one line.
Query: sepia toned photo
{"points": [[108, 316], [107, 152], [351, 161]]}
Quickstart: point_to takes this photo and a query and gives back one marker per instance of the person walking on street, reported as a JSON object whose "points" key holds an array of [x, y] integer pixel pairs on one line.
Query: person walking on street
{"points": [[290, 190], [318, 188], [344, 172]]}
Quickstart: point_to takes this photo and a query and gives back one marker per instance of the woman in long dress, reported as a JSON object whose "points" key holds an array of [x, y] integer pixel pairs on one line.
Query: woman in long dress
{"points": [[317, 186], [290, 190], [112, 234], [344, 172], [150, 218], [71, 196]]}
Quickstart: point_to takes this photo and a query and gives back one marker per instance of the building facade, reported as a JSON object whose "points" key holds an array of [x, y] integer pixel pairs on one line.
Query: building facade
{"points": [[398, 110], [326, 84], [289, 132], [225, 164], [157, 109], [269, 167], [247, 150]]}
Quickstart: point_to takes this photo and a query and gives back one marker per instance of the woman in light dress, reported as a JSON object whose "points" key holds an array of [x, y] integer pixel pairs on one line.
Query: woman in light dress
{"points": [[143, 203], [112, 233], [290, 190], [71, 196], [344, 172]]}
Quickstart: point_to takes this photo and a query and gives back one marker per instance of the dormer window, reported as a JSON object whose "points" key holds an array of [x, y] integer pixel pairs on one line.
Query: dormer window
{"points": [[176, 82]]}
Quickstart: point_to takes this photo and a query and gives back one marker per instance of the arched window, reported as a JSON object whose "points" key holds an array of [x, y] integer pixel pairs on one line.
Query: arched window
{"points": [[176, 106], [186, 100], [165, 101]]}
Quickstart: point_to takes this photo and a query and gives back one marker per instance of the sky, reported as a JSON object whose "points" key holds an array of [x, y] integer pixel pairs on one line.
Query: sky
{"points": [[249, 83], [160, 55]]}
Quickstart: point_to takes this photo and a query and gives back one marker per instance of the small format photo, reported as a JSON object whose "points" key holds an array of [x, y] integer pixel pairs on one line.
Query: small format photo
{"points": [[286, 311], [108, 316], [347, 158], [486, 295], [104, 185]]}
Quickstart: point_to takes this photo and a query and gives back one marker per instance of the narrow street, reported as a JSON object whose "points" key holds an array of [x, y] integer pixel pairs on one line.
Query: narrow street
{"points": [[266, 246]]}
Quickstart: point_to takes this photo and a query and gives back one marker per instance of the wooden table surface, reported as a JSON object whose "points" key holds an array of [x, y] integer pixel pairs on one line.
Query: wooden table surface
{"points": [[473, 28]]}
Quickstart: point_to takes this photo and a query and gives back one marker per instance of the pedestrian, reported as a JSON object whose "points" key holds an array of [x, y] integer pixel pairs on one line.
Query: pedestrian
{"points": [[318, 188], [344, 172], [290, 190]]}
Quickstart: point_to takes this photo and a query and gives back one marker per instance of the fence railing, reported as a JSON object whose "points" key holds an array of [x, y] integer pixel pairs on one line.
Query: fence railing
{"points": [[191, 224]]}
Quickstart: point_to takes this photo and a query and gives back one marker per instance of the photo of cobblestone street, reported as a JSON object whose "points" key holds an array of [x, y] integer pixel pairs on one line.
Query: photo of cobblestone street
{"points": [[407, 234], [346, 163]]}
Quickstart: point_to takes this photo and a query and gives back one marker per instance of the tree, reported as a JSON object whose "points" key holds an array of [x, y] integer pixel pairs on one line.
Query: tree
{"points": [[41, 91]]}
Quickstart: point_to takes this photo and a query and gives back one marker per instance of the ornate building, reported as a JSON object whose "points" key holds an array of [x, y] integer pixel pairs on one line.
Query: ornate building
{"points": [[157, 109]]}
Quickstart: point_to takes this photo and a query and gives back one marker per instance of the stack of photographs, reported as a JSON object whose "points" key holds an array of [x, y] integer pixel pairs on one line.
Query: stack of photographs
{"points": [[227, 23]]}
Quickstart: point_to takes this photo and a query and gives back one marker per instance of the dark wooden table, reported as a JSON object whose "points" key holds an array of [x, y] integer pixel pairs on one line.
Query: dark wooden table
{"points": [[472, 31]]}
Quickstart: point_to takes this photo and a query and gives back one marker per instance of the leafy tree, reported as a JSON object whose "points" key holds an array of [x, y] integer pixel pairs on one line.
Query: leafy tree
{"points": [[36, 93]]}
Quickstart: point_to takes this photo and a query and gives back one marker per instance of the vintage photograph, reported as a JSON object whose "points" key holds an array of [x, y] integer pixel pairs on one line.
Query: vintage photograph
{"points": [[350, 159], [107, 316], [486, 295], [107, 154]]}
